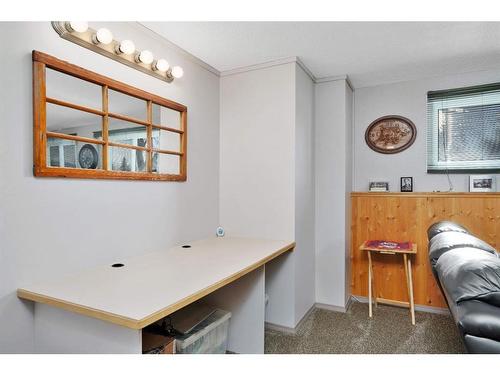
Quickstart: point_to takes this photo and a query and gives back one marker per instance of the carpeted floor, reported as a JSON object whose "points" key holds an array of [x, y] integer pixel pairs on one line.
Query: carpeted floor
{"points": [[389, 331]]}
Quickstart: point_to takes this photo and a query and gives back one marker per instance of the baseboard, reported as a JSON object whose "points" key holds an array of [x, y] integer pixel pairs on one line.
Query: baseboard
{"points": [[326, 306], [343, 309], [291, 330], [279, 328], [423, 308], [304, 317], [348, 304]]}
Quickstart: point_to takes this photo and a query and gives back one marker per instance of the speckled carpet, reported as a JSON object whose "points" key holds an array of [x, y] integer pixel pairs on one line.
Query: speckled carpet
{"points": [[389, 331]]}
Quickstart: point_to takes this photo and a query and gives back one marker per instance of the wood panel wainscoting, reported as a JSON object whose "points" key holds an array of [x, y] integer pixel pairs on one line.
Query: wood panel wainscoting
{"points": [[406, 217]]}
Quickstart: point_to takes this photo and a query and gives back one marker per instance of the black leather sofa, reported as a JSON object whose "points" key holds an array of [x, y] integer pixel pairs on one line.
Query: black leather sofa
{"points": [[467, 270]]}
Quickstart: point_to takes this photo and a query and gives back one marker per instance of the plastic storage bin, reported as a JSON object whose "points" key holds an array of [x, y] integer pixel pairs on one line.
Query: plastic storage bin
{"points": [[208, 337]]}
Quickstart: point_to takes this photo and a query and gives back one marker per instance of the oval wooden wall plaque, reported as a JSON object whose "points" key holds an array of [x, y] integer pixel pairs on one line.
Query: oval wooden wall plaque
{"points": [[390, 134]]}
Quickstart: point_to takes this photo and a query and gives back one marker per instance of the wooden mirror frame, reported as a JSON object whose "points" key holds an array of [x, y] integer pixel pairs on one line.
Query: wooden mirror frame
{"points": [[41, 61]]}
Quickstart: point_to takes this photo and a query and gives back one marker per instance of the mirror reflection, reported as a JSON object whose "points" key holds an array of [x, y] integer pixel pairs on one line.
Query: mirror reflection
{"points": [[73, 154], [73, 90], [165, 140], [127, 159], [127, 105], [165, 163], [71, 121], [167, 117], [125, 132]]}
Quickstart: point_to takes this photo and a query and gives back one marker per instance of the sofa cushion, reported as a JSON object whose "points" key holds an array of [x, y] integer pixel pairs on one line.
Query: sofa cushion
{"points": [[445, 241], [444, 226], [481, 345], [478, 319], [468, 273]]}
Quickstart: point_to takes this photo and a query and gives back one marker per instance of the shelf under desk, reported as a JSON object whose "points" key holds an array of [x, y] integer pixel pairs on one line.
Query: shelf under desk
{"points": [[152, 286]]}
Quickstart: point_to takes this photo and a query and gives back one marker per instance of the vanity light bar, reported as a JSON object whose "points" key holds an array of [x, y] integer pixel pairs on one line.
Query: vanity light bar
{"points": [[125, 51]]}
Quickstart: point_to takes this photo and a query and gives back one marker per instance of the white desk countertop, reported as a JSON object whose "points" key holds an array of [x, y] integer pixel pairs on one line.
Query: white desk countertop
{"points": [[152, 286]]}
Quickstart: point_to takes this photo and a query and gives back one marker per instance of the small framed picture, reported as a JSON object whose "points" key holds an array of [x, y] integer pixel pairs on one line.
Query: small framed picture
{"points": [[406, 184], [481, 182], [379, 186]]}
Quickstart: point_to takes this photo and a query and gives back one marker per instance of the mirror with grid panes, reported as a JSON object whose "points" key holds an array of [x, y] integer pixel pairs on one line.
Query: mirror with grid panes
{"points": [[90, 126]]}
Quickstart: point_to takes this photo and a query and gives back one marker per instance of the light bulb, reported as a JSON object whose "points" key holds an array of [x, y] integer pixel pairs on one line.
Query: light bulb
{"points": [[177, 71], [126, 47], [145, 57], [161, 65], [102, 36], [79, 27]]}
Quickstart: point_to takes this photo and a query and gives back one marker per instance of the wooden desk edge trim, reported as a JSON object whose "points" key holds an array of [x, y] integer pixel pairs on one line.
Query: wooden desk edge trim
{"points": [[80, 309], [141, 323]]}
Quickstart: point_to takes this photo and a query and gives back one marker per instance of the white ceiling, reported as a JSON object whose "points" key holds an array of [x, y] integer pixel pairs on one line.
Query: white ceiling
{"points": [[370, 53]]}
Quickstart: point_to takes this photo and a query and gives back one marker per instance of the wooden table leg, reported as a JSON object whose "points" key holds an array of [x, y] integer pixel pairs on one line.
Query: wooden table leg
{"points": [[369, 284], [412, 304], [405, 262], [374, 289], [409, 286]]}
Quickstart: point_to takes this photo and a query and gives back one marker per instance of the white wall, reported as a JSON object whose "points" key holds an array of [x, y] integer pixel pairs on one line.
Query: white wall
{"points": [[407, 99], [333, 160], [266, 177], [349, 177], [257, 174], [256, 146], [304, 193], [51, 226]]}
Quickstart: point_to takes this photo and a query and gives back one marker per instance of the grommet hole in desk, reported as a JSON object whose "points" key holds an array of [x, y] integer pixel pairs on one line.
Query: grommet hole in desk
{"points": [[117, 265]]}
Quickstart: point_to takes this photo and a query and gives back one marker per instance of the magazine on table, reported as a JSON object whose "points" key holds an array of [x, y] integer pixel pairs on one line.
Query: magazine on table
{"points": [[388, 245]]}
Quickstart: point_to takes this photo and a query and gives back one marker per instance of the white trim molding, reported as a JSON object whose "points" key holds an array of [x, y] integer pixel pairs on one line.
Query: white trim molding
{"points": [[343, 77], [305, 69], [320, 306], [290, 330], [280, 328], [268, 64], [264, 65], [335, 308], [287, 60], [343, 309]]}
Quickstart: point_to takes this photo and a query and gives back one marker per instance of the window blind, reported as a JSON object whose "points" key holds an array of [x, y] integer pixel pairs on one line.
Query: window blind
{"points": [[463, 129]]}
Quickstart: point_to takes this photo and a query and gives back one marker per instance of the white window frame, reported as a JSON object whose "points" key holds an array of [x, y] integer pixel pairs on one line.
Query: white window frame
{"points": [[434, 165]]}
